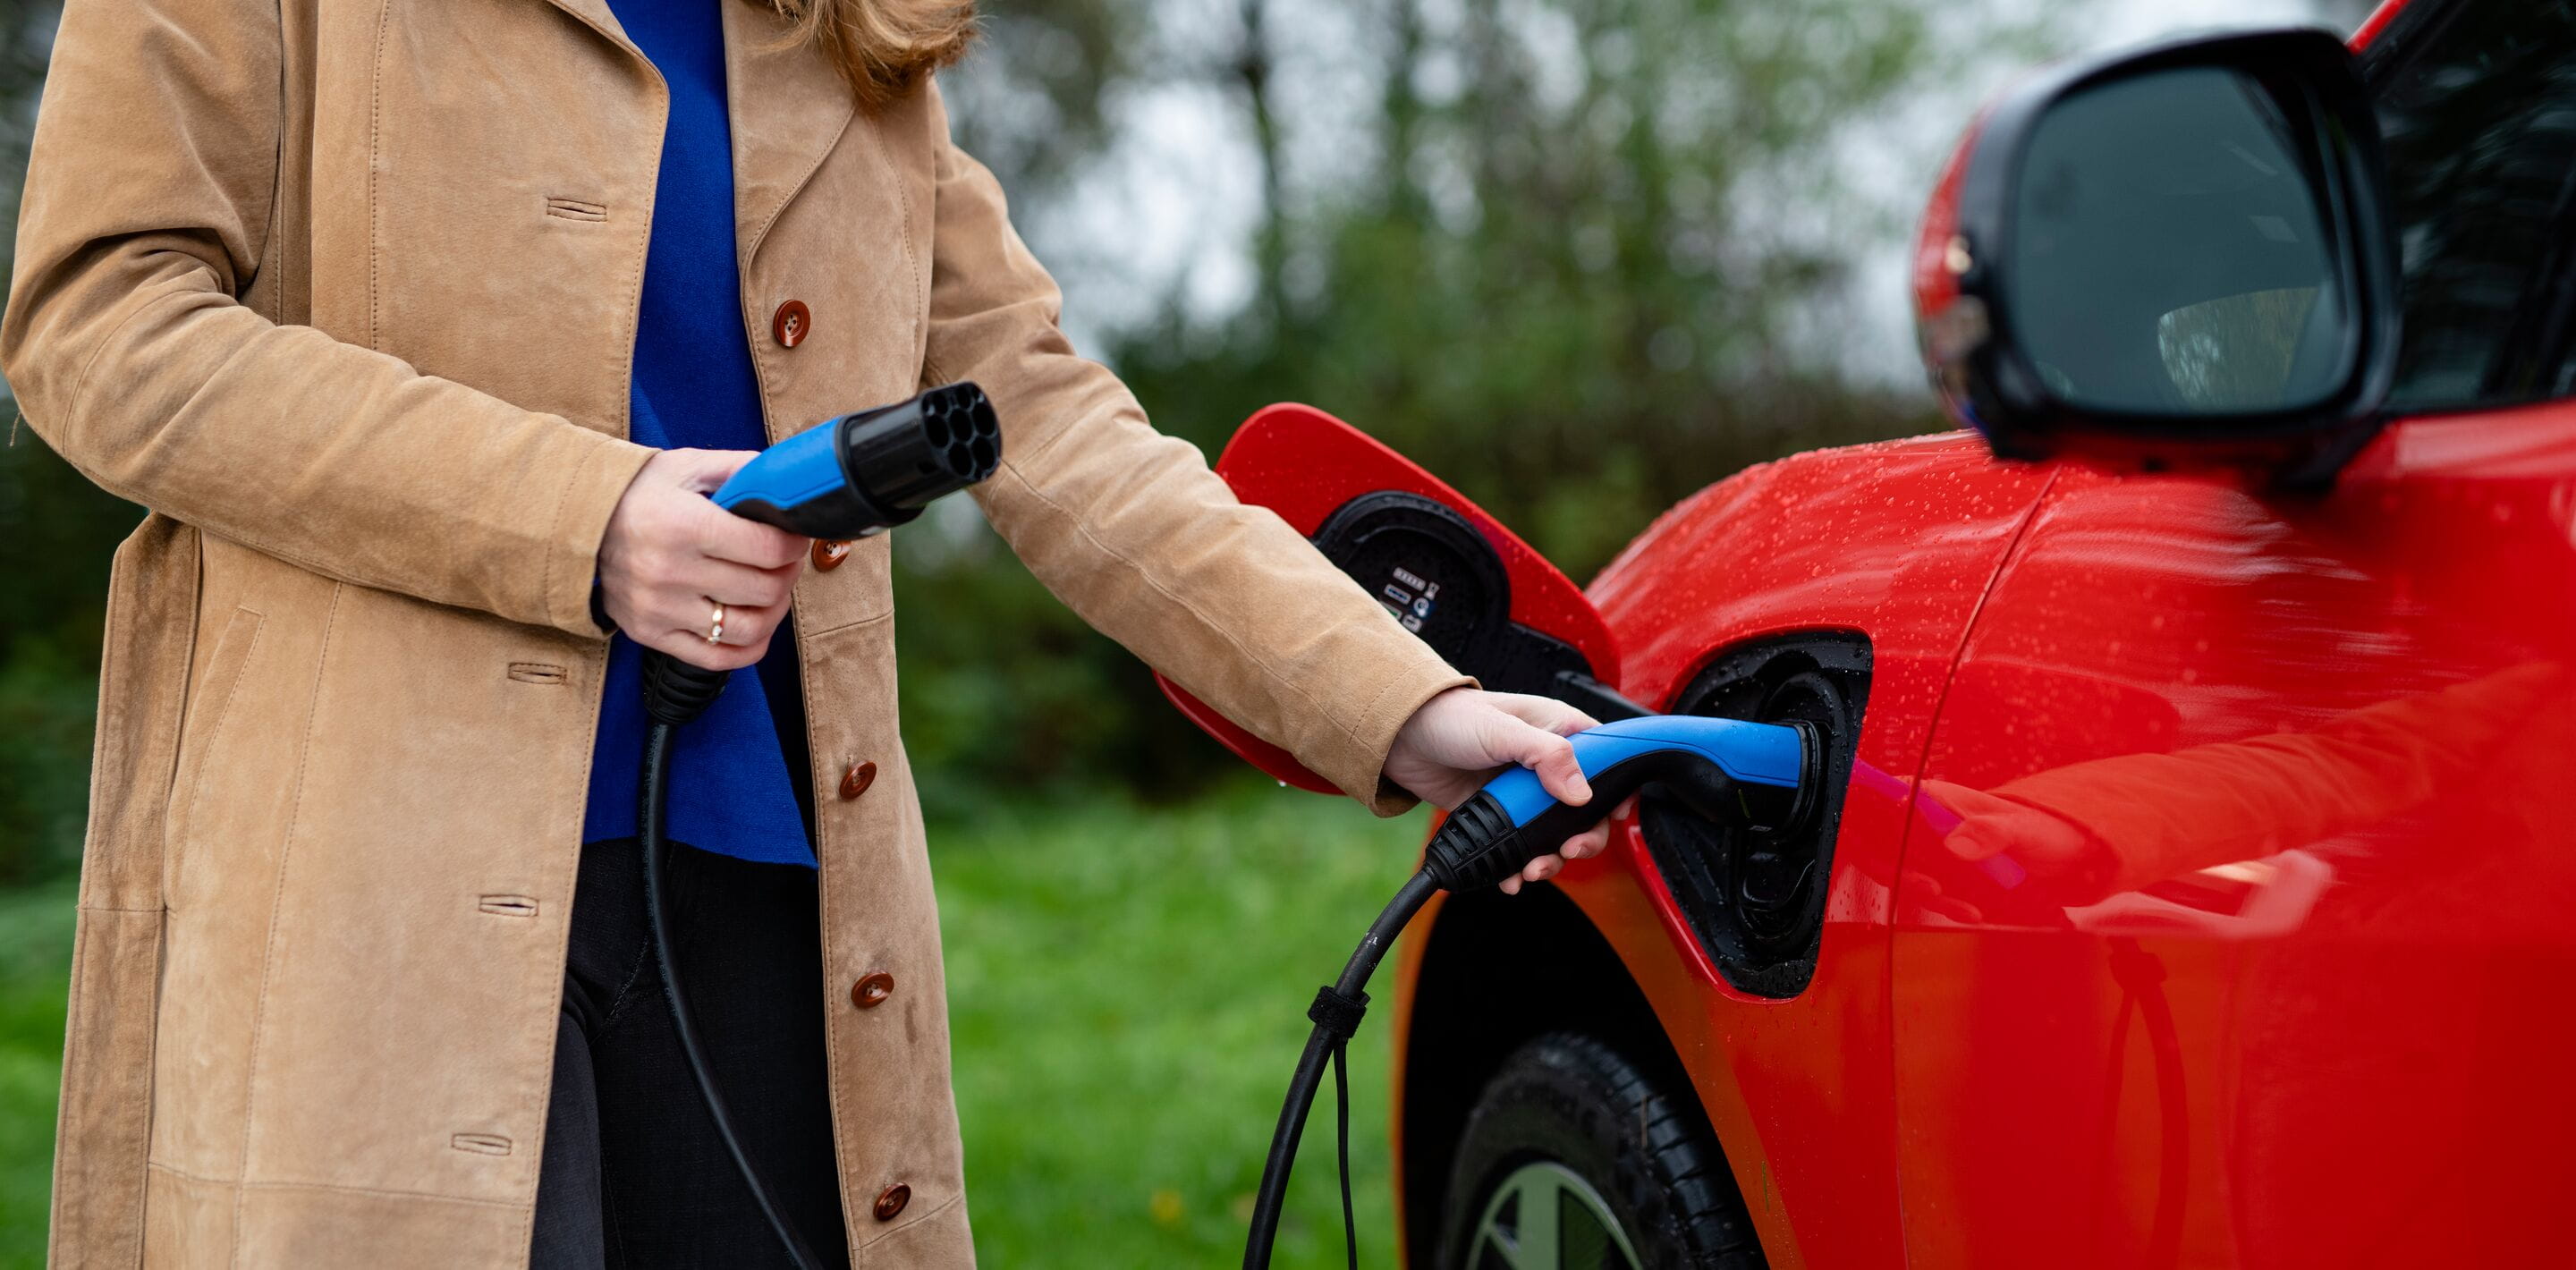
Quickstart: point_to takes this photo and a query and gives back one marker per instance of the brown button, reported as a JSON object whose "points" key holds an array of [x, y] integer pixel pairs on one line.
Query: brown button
{"points": [[829, 553], [891, 1200], [855, 781], [871, 991], [791, 323]]}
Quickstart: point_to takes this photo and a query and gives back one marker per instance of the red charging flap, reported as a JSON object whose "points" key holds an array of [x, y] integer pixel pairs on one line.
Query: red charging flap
{"points": [[1305, 464]]}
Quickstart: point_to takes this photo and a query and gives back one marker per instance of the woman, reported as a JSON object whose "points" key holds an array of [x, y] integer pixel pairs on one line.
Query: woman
{"points": [[422, 327]]}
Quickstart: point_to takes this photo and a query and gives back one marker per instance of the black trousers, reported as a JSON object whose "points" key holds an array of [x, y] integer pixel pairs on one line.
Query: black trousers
{"points": [[634, 1175]]}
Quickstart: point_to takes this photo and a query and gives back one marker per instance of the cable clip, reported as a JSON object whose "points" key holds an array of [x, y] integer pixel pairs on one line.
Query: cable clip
{"points": [[1338, 1014]]}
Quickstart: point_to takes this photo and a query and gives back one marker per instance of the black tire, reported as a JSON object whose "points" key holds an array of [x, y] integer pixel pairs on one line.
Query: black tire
{"points": [[1646, 1157]]}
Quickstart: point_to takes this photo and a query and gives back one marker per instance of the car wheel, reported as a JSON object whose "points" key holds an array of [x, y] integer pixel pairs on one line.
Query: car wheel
{"points": [[1573, 1159]]}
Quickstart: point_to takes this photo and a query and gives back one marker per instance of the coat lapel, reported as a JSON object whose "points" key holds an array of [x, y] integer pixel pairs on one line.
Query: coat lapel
{"points": [[788, 109], [595, 14]]}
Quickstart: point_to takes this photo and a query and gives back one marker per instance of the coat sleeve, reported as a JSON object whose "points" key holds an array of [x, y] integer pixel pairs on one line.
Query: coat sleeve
{"points": [[145, 215], [1131, 529]]}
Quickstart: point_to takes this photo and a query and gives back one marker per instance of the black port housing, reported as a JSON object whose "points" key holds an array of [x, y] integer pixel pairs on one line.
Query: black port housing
{"points": [[1444, 582], [1755, 897]]}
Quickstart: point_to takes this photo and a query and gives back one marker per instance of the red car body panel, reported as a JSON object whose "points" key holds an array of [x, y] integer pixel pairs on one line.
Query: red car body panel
{"points": [[2325, 740], [2316, 1023], [1898, 540]]}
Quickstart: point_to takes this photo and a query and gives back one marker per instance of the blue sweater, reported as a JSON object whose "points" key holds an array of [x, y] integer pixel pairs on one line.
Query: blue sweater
{"points": [[732, 791]]}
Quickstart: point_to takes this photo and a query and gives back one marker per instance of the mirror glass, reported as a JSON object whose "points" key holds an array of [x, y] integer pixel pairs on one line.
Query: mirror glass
{"points": [[2168, 252]]}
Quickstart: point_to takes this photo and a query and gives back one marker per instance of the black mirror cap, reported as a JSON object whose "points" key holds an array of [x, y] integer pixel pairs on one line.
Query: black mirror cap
{"points": [[1965, 325]]}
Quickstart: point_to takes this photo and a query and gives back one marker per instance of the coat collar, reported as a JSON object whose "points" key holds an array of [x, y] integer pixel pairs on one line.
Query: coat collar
{"points": [[789, 108], [595, 14], [786, 105]]}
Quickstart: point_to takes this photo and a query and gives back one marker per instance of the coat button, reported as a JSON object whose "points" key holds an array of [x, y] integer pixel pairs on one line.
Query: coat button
{"points": [[872, 990], [791, 323], [829, 553], [855, 781], [891, 1200]]}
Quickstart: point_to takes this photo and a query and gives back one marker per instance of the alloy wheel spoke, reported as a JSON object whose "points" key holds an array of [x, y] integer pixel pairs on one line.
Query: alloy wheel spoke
{"points": [[1523, 1224]]}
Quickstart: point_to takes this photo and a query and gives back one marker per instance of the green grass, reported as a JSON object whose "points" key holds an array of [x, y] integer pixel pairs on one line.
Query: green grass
{"points": [[1127, 989], [35, 965]]}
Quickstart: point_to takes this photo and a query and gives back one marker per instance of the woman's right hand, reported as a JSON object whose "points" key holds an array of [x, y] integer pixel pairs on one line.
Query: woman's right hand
{"points": [[671, 555]]}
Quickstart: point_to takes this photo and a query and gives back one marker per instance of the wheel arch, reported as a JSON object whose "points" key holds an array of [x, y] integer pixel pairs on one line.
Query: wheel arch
{"points": [[1495, 972]]}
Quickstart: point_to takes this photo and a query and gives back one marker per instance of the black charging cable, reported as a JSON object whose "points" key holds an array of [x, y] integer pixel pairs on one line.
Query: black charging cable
{"points": [[1336, 1012], [676, 692], [1479, 845]]}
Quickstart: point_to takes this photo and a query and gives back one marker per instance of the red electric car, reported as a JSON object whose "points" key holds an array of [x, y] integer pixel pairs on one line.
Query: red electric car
{"points": [[2195, 884]]}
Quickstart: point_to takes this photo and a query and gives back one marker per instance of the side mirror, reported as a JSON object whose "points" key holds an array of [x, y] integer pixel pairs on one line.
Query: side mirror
{"points": [[2175, 256]]}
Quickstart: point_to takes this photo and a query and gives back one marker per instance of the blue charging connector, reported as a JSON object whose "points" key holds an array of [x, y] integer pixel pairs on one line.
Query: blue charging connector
{"points": [[864, 473], [1762, 774], [1756, 753]]}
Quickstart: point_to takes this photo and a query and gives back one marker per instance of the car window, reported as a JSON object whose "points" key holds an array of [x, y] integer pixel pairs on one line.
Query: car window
{"points": [[2477, 103]]}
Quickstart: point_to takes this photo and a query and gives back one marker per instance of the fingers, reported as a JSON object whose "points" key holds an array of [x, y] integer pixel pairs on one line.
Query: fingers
{"points": [[721, 535], [692, 647], [1543, 712], [738, 585], [1595, 840], [1548, 754], [677, 621], [1590, 842], [1538, 870], [700, 471], [668, 581], [1458, 739], [1538, 742], [681, 631], [1552, 757], [696, 618], [688, 520], [744, 626]]}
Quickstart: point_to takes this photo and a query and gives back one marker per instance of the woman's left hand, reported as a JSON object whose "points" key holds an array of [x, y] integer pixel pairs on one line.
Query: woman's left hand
{"points": [[1459, 739]]}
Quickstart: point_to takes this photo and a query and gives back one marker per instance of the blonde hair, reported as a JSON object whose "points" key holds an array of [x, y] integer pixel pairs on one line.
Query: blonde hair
{"points": [[882, 47]]}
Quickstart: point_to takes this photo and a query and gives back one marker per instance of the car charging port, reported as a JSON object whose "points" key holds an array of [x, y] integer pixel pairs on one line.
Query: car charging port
{"points": [[1754, 892]]}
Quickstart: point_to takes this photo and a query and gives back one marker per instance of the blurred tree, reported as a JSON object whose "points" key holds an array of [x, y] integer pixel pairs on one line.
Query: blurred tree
{"points": [[58, 529], [55, 533], [1031, 102], [1563, 267]]}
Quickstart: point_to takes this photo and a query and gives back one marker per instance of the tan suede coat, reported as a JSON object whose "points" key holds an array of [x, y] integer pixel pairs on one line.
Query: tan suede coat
{"points": [[345, 291]]}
